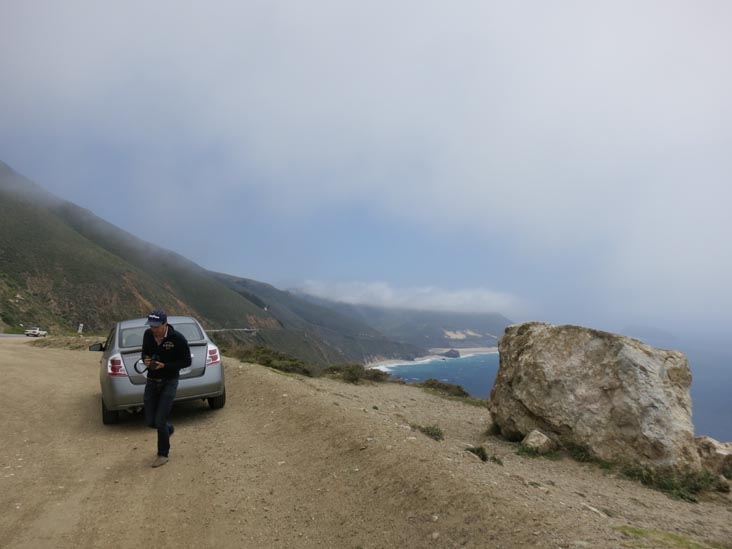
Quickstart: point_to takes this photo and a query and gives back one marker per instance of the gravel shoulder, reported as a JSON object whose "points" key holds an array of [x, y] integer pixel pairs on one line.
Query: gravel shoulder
{"points": [[299, 462]]}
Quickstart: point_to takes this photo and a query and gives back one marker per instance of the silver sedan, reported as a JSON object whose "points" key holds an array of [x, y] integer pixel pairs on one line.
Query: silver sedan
{"points": [[123, 387]]}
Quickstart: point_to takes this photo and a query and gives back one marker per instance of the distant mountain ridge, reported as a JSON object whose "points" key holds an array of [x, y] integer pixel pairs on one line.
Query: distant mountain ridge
{"points": [[349, 336], [426, 329], [61, 265]]}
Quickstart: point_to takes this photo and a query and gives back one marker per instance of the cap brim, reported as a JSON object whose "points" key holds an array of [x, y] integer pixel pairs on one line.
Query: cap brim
{"points": [[154, 323]]}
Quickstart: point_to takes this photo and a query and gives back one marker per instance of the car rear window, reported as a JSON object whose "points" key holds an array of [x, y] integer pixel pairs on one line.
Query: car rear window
{"points": [[132, 337], [190, 331]]}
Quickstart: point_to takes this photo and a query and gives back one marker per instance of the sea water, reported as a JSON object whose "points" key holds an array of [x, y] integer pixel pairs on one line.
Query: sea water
{"points": [[711, 368], [474, 373]]}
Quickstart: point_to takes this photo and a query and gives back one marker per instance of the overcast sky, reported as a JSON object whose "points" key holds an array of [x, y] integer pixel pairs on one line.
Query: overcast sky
{"points": [[560, 161]]}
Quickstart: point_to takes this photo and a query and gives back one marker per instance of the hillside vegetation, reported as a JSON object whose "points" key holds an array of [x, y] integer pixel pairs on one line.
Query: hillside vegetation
{"points": [[62, 265]]}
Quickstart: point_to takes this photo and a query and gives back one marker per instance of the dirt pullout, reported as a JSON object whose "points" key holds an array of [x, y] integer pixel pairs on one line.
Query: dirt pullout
{"points": [[297, 462]]}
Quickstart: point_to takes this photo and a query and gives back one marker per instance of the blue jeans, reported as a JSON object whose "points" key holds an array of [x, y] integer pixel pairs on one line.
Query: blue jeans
{"points": [[159, 396]]}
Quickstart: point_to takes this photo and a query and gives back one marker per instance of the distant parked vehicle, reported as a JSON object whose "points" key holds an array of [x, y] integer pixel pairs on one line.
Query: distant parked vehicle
{"points": [[36, 332], [123, 388]]}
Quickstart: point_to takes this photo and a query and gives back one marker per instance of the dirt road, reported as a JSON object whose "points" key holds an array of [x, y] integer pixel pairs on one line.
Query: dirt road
{"points": [[293, 462]]}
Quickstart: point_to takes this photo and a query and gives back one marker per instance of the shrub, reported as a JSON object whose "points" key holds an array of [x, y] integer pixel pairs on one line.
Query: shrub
{"points": [[447, 388], [478, 451], [482, 453], [353, 373], [291, 366], [376, 375], [581, 454], [432, 431], [677, 484], [527, 452], [274, 359], [496, 459], [493, 430]]}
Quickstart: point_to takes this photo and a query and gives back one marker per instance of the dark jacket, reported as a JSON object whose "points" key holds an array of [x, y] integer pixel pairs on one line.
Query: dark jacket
{"points": [[173, 351]]}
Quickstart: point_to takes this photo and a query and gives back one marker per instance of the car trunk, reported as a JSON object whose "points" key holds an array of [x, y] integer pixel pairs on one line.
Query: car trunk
{"points": [[196, 369]]}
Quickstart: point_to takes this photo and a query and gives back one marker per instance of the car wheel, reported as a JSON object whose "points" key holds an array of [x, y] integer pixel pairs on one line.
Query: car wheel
{"points": [[216, 403], [109, 417]]}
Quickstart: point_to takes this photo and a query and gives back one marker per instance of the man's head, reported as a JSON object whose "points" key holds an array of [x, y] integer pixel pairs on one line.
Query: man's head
{"points": [[158, 322]]}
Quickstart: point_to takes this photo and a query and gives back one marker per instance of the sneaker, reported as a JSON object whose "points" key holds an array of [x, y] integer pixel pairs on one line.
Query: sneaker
{"points": [[171, 430], [160, 460]]}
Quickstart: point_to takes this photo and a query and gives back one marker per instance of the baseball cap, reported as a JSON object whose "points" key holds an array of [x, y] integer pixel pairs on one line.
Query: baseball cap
{"points": [[157, 318]]}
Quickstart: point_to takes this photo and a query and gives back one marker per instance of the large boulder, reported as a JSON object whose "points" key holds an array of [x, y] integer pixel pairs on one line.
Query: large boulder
{"points": [[615, 397]]}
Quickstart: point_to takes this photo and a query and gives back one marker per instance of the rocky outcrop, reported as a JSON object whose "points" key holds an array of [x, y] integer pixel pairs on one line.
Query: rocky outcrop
{"points": [[615, 397], [452, 353], [715, 456]]}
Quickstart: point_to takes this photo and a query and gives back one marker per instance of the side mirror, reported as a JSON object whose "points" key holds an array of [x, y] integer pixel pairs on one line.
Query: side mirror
{"points": [[96, 347]]}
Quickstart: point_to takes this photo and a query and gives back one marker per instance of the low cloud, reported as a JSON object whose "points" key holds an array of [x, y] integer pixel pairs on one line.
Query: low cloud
{"points": [[424, 298]]}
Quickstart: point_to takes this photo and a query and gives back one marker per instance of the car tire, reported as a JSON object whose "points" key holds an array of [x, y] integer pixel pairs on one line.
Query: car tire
{"points": [[109, 417], [216, 403]]}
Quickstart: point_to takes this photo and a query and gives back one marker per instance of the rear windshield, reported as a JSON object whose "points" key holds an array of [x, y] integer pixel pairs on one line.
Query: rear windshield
{"points": [[132, 337]]}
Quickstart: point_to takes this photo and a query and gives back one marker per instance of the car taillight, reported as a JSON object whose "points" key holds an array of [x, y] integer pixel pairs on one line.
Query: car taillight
{"points": [[115, 367], [213, 356]]}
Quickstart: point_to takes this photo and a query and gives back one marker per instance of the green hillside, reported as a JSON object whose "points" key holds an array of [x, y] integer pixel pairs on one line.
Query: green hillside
{"points": [[61, 266]]}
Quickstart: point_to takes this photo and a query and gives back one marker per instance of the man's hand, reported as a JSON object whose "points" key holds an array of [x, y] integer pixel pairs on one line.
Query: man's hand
{"points": [[150, 366]]}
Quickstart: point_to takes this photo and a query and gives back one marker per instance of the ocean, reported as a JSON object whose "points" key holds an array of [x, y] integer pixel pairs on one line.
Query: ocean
{"points": [[711, 368]]}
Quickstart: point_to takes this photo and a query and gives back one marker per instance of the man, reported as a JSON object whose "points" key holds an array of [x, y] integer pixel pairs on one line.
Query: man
{"points": [[165, 353]]}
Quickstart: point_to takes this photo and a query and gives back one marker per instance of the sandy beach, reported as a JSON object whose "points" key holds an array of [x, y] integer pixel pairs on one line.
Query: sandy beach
{"points": [[435, 354], [467, 351]]}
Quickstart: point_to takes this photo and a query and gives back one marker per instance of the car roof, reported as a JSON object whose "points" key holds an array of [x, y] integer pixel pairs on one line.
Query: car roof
{"points": [[137, 322]]}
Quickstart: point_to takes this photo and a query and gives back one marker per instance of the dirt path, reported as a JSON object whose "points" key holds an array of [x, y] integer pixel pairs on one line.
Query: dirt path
{"points": [[294, 462]]}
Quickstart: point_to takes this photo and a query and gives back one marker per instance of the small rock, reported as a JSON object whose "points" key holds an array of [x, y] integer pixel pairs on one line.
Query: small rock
{"points": [[539, 442]]}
